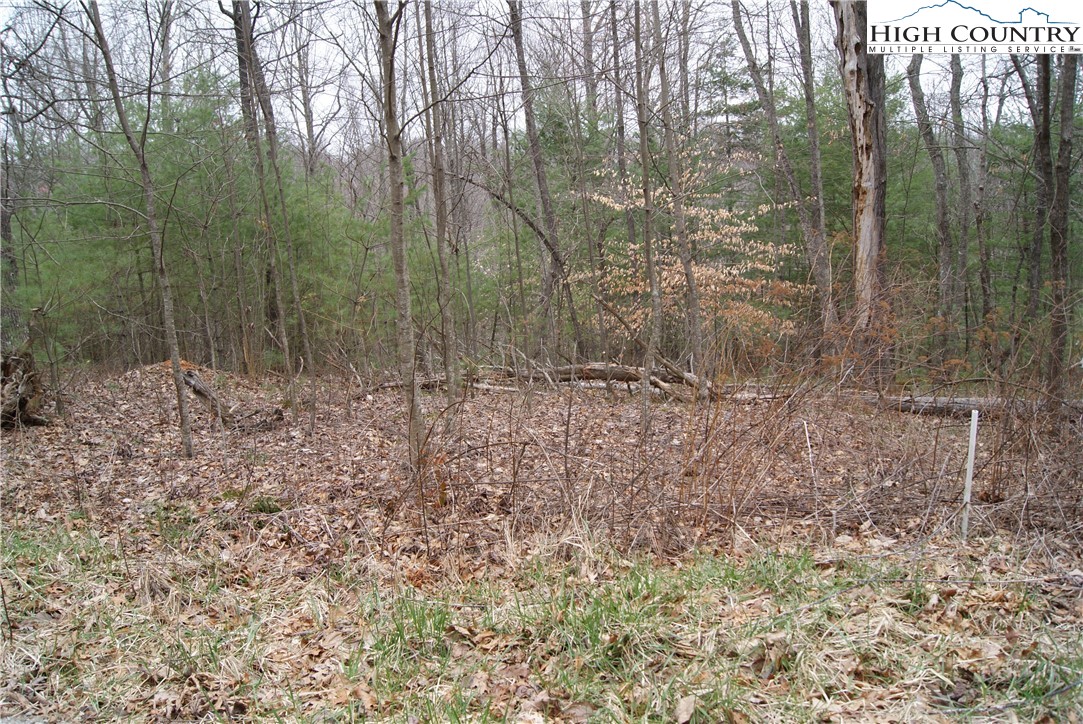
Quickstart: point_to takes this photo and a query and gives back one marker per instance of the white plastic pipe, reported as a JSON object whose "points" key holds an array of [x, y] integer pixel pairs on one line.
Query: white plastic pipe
{"points": [[968, 485]]}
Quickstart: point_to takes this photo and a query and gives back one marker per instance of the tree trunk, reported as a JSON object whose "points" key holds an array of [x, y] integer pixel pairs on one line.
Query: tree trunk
{"points": [[303, 72], [509, 187], [388, 26], [1039, 103], [676, 184], [556, 272], [263, 95], [1059, 229], [590, 79], [818, 251], [165, 72], [622, 162], [10, 313], [275, 308], [439, 192], [961, 145], [945, 256], [655, 336], [812, 228], [863, 82], [151, 219], [985, 277]]}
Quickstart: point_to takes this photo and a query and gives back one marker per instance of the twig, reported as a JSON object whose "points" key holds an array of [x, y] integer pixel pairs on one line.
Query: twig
{"points": [[7, 616]]}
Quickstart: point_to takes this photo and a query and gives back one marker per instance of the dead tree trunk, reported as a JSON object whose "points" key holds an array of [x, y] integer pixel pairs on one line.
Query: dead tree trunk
{"points": [[863, 80], [20, 391]]}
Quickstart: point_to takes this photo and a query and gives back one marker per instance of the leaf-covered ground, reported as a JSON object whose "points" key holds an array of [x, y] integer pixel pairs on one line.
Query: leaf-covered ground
{"points": [[793, 557]]}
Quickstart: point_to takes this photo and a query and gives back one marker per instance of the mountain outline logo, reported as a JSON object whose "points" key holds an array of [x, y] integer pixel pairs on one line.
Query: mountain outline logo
{"points": [[974, 26], [956, 5]]}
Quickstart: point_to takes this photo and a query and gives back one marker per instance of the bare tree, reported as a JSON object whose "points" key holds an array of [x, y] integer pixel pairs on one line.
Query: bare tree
{"points": [[435, 131], [619, 94], [980, 212], [676, 187], [270, 127], [10, 314], [812, 224], [137, 146], [819, 252], [556, 272], [389, 24], [246, 64], [655, 336], [1059, 214], [590, 78], [945, 256], [1040, 105], [961, 147]]}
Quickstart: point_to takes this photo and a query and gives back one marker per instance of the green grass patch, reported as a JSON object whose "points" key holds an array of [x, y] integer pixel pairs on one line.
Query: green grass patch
{"points": [[112, 627]]}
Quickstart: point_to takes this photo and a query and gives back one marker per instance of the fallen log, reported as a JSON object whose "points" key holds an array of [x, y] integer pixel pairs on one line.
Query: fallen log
{"points": [[703, 387], [961, 406], [587, 372], [598, 372], [20, 391]]}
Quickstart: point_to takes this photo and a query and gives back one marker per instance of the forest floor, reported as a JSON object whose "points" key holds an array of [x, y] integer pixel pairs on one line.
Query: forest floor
{"points": [[789, 557]]}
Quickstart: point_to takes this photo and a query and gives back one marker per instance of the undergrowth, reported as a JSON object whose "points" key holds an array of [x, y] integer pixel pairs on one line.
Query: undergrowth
{"points": [[98, 628]]}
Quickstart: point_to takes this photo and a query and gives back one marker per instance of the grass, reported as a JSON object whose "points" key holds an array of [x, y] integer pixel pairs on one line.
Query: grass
{"points": [[100, 626]]}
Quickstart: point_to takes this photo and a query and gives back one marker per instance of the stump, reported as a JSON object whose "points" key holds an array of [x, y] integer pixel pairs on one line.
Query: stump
{"points": [[20, 391]]}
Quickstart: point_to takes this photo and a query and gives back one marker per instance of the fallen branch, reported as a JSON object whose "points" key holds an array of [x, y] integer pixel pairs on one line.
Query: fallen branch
{"points": [[209, 398], [264, 419]]}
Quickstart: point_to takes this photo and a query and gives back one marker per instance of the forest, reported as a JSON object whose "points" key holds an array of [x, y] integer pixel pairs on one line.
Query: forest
{"points": [[447, 312]]}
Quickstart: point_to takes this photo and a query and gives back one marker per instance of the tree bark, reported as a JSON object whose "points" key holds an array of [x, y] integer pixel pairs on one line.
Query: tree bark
{"points": [[655, 336], [242, 32], [863, 82], [819, 251], [1039, 103], [622, 162], [1059, 229], [961, 146], [20, 390], [270, 126], [303, 70], [388, 25], [985, 277], [590, 79], [151, 219], [10, 313], [439, 192]]}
